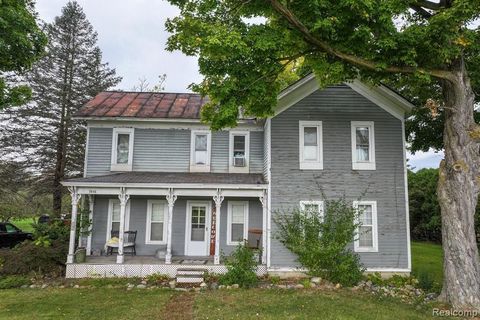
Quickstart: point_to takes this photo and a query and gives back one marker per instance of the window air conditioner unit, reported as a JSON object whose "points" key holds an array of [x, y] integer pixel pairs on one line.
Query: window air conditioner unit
{"points": [[239, 161]]}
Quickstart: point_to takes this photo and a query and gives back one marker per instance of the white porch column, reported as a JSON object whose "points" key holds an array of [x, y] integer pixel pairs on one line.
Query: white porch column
{"points": [[91, 202], [264, 201], [123, 197], [218, 199], [171, 198], [73, 223]]}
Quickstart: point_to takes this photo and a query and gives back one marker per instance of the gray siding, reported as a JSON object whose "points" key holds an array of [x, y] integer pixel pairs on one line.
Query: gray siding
{"points": [[138, 215], [99, 151], [336, 107], [166, 150]]}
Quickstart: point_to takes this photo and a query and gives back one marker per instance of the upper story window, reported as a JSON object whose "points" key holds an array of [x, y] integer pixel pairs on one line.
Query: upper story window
{"points": [[122, 149], [239, 151], [367, 233], [311, 149], [363, 145], [200, 151]]}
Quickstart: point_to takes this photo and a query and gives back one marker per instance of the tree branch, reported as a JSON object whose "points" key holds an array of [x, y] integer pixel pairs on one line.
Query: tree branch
{"points": [[350, 58], [424, 13]]}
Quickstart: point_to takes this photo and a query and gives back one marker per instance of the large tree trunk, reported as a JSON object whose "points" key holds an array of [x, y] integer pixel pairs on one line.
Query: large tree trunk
{"points": [[458, 194]]}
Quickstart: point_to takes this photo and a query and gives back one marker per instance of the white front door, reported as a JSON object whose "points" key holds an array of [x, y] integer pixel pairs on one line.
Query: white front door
{"points": [[198, 222]]}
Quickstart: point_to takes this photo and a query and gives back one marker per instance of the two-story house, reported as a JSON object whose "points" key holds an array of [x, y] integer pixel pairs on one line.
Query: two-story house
{"points": [[191, 194]]}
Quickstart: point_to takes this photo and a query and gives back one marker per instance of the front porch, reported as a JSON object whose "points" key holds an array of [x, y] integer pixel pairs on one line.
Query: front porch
{"points": [[142, 266], [176, 224]]}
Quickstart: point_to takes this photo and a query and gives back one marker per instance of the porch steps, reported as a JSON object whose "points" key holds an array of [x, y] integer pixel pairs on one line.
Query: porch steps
{"points": [[190, 275]]}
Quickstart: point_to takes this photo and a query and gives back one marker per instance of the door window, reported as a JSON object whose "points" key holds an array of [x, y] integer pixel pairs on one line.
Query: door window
{"points": [[199, 214]]}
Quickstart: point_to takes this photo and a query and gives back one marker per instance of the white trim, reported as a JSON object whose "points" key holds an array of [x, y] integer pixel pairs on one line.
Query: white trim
{"points": [[388, 270], [407, 208], [149, 222], [356, 243], [306, 164], [109, 217], [269, 190], [85, 161], [114, 165], [319, 203], [229, 221], [382, 96], [208, 205], [153, 186], [363, 165], [196, 167], [231, 167]]}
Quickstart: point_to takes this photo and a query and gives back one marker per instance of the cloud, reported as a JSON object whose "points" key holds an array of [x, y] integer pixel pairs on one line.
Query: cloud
{"points": [[420, 159], [132, 37]]}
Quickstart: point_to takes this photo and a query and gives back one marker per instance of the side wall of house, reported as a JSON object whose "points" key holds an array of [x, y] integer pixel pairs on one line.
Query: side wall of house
{"points": [[138, 220], [166, 150], [336, 107]]}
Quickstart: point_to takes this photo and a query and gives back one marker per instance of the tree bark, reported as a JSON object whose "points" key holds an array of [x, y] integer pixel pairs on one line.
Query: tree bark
{"points": [[458, 194]]}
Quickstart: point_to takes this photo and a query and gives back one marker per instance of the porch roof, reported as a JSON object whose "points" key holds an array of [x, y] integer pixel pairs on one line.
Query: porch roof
{"points": [[155, 178]]}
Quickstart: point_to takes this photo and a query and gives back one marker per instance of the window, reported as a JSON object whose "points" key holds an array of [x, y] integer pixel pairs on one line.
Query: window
{"points": [[314, 207], [157, 213], [239, 151], [237, 222], [10, 228], [200, 151], [113, 222], [363, 145], [367, 233], [311, 153], [122, 149]]}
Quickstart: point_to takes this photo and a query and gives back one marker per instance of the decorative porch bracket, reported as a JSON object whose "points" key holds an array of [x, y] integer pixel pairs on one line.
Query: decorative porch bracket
{"points": [[264, 200], [218, 199], [73, 223], [123, 197], [171, 198]]}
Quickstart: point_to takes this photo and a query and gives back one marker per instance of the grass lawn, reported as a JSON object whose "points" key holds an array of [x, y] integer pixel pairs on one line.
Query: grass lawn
{"points": [[24, 224], [118, 303], [97, 303], [427, 257], [290, 304]]}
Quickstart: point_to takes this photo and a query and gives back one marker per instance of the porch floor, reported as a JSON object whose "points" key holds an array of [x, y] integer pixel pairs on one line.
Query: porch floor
{"points": [[148, 260]]}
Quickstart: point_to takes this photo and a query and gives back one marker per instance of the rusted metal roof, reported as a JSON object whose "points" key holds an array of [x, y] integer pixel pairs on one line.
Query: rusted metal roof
{"points": [[144, 105], [173, 177]]}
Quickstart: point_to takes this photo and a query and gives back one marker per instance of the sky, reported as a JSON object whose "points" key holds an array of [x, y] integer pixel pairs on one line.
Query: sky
{"points": [[132, 37]]}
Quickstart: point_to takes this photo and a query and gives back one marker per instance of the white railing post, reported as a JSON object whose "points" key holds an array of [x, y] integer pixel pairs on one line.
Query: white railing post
{"points": [[218, 199], [123, 197], [171, 198], [91, 202], [264, 201], [73, 223]]}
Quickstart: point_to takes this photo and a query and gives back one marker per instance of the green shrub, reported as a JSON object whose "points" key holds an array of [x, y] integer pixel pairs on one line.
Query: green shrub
{"points": [[45, 233], [13, 282], [426, 281], [241, 267], [321, 243], [274, 279], [158, 278], [27, 258], [394, 281]]}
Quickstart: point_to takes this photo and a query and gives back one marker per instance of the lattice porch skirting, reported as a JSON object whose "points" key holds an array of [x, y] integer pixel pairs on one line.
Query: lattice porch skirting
{"points": [[139, 270]]}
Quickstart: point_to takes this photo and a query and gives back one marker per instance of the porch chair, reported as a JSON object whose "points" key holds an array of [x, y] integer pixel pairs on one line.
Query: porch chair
{"points": [[129, 238], [254, 239]]}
